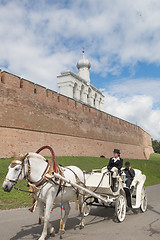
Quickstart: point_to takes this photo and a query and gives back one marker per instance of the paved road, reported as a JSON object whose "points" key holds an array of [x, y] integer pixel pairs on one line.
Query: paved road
{"points": [[21, 224]]}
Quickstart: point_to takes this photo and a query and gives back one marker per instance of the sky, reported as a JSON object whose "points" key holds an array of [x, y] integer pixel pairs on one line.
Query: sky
{"points": [[39, 39]]}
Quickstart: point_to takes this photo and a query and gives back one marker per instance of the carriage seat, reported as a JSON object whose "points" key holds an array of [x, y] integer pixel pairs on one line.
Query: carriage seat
{"points": [[137, 178]]}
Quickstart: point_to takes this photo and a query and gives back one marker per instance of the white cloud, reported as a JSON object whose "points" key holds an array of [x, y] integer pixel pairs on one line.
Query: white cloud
{"points": [[137, 109], [140, 86], [39, 40], [136, 101]]}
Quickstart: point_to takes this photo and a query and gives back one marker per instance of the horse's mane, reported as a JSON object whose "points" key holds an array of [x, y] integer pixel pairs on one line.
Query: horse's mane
{"points": [[21, 157], [36, 155]]}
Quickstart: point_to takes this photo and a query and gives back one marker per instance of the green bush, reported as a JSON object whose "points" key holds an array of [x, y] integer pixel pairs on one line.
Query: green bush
{"points": [[156, 146]]}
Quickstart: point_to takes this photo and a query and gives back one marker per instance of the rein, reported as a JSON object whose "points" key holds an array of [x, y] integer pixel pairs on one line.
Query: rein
{"points": [[34, 186], [16, 162], [21, 190], [20, 162], [43, 179], [49, 169]]}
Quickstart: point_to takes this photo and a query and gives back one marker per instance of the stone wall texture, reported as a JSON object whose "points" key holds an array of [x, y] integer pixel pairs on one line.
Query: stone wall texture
{"points": [[32, 116]]}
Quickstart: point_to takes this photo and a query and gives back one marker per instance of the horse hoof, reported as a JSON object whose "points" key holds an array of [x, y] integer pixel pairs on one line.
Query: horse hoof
{"points": [[61, 232], [41, 238], [81, 226], [52, 232]]}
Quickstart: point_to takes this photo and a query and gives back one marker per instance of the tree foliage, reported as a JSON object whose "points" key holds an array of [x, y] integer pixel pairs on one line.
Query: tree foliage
{"points": [[156, 146]]}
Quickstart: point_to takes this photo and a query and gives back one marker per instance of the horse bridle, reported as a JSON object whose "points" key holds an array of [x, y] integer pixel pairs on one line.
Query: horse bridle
{"points": [[21, 163]]}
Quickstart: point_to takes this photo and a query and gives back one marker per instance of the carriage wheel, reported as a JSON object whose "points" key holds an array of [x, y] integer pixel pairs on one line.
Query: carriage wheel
{"points": [[120, 208], [87, 209], [143, 206]]}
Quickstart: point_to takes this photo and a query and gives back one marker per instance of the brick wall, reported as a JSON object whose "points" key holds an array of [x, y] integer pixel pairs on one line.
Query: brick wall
{"points": [[46, 117]]}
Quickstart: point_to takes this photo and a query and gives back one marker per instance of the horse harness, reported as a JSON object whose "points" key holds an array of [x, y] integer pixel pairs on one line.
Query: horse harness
{"points": [[34, 186], [61, 172]]}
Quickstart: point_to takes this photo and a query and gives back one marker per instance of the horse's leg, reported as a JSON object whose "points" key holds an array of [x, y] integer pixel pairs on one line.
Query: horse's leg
{"points": [[81, 208], [67, 209], [41, 211], [51, 230], [41, 218], [49, 203]]}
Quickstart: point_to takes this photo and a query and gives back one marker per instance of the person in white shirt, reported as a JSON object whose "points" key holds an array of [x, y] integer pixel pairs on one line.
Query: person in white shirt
{"points": [[114, 166]]}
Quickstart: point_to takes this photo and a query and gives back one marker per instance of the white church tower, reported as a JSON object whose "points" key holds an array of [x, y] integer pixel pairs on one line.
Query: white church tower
{"points": [[78, 87], [84, 66]]}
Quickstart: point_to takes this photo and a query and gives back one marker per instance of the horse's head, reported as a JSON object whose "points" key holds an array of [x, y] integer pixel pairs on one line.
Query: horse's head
{"points": [[15, 173], [30, 166]]}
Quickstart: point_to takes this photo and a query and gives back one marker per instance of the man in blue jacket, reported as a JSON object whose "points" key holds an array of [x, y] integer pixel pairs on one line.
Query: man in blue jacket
{"points": [[114, 166], [130, 174]]}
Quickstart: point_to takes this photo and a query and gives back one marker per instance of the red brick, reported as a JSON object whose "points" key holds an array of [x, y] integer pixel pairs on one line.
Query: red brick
{"points": [[10, 80], [31, 120]]}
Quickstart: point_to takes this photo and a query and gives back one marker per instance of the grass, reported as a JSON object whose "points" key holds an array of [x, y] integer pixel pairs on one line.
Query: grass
{"points": [[16, 199]]}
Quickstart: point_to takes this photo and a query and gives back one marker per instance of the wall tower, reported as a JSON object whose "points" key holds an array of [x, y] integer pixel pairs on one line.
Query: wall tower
{"points": [[78, 86]]}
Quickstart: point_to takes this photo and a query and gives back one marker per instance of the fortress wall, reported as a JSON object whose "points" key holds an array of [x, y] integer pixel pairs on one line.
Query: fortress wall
{"points": [[10, 80], [27, 86], [51, 116], [22, 141], [147, 144]]}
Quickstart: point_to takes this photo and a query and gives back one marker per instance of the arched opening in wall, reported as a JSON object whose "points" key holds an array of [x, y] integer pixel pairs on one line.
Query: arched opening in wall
{"points": [[21, 83], [89, 96], [75, 104], [81, 93], [35, 90], [94, 101], [75, 90], [100, 101]]}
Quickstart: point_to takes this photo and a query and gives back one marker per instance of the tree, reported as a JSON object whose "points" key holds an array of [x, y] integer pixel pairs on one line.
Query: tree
{"points": [[156, 146]]}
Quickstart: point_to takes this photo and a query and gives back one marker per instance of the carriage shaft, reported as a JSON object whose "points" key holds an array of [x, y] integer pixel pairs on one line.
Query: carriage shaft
{"points": [[84, 189]]}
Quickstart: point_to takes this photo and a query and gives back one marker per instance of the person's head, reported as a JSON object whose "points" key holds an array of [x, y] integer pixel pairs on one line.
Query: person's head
{"points": [[127, 164], [116, 153]]}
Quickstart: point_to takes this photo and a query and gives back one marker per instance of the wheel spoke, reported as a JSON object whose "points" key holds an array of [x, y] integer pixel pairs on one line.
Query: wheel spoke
{"points": [[143, 206], [121, 208]]}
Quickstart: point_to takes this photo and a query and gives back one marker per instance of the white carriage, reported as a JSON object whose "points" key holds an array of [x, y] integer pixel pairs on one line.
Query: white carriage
{"points": [[99, 181], [98, 192]]}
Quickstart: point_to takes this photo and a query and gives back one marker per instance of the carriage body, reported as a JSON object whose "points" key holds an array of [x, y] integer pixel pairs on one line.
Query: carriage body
{"points": [[100, 182]]}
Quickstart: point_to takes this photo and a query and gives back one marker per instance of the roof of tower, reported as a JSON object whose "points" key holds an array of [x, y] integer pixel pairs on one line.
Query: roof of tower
{"points": [[83, 62]]}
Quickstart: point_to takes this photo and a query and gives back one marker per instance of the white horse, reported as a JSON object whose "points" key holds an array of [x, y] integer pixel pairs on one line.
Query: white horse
{"points": [[32, 167]]}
